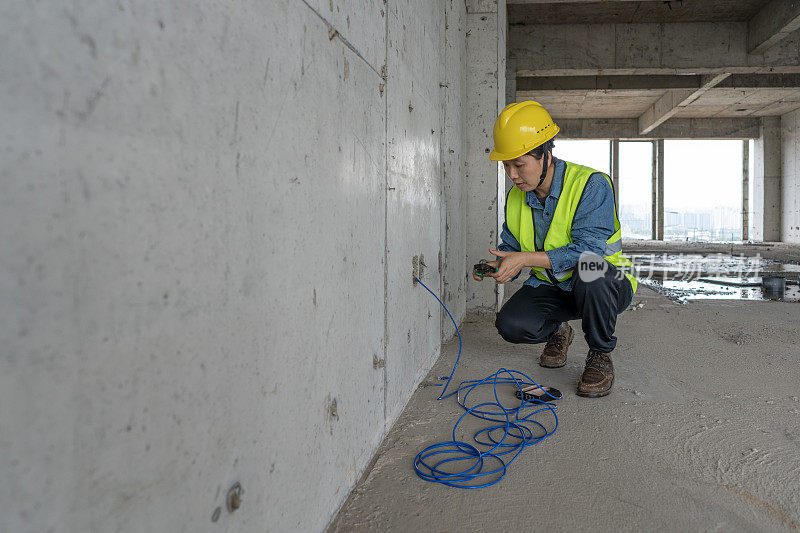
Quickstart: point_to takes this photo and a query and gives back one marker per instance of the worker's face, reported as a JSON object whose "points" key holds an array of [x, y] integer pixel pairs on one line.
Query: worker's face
{"points": [[525, 171]]}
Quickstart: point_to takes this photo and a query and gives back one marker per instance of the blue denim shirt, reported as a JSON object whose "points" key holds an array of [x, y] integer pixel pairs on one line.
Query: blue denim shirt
{"points": [[592, 224]]}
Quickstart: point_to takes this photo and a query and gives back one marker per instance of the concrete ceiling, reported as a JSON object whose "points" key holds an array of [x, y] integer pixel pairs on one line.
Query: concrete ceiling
{"points": [[652, 61]]}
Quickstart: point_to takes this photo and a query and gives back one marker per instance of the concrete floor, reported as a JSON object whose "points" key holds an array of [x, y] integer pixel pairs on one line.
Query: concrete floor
{"points": [[701, 432]]}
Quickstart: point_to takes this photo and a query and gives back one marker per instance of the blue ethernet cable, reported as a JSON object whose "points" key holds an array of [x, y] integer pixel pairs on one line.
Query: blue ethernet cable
{"points": [[488, 466]]}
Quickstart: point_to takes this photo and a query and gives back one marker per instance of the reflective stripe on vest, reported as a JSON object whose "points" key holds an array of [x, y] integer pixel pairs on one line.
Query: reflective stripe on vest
{"points": [[519, 219]]}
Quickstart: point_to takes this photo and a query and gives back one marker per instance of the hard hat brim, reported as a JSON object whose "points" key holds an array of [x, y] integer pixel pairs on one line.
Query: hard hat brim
{"points": [[499, 156]]}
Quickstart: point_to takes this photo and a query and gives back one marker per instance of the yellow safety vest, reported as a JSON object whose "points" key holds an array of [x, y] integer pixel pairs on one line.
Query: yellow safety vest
{"points": [[519, 219]]}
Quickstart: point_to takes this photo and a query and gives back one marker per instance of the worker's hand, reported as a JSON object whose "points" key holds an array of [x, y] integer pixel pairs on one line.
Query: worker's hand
{"points": [[495, 264], [510, 265]]}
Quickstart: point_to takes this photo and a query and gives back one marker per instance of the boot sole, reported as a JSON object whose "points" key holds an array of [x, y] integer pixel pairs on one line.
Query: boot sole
{"points": [[569, 342], [598, 394], [593, 394]]}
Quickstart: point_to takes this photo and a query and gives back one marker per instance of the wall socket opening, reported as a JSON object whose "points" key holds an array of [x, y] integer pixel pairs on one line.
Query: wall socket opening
{"points": [[418, 267]]}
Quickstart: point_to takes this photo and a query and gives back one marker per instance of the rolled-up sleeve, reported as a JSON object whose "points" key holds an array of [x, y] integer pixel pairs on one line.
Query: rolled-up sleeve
{"points": [[592, 225]]}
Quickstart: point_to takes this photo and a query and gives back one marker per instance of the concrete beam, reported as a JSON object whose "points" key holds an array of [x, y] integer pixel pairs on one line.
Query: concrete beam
{"points": [[772, 24], [672, 101], [606, 83], [675, 128], [511, 2], [645, 49], [760, 81], [664, 108], [619, 83]]}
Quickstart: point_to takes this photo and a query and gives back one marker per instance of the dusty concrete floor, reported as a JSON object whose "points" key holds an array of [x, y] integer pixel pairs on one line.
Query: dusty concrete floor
{"points": [[701, 432]]}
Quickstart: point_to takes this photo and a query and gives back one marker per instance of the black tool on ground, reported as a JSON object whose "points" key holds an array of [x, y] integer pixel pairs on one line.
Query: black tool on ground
{"points": [[482, 269], [773, 287], [546, 394]]}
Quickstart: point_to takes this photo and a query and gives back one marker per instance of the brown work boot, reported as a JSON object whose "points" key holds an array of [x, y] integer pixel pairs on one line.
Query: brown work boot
{"points": [[554, 354], [597, 377]]}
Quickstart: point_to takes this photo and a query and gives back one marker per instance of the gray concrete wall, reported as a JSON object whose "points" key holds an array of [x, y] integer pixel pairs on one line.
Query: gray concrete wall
{"points": [[790, 177], [414, 198], [208, 217], [454, 145], [767, 181], [486, 96]]}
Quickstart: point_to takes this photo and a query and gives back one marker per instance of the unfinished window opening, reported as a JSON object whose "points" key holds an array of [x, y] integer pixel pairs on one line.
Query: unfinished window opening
{"points": [[590, 153], [703, 190], [635, 189]]}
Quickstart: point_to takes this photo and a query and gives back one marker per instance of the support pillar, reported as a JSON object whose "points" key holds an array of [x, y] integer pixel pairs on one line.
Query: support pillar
{"points": [[511, 81], [660, 183], [654, 193], [615, 172], [767, 181], [745, 190], [486, 97], [657, 216]]}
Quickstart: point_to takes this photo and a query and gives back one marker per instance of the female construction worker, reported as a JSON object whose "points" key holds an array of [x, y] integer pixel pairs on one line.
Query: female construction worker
{"points": [[560, 221]]}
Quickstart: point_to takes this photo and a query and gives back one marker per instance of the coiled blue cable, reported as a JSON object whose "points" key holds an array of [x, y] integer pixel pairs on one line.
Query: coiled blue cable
{"points": [[487, 467]]}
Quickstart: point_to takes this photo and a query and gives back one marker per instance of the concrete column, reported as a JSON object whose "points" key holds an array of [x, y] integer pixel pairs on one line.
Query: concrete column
{"points": [[453, 149], [790, 177], [615, 172], [660, 188], [767, 181], [511, 80], [657, 216], [654, 195], [745, 189], [486, 97]]}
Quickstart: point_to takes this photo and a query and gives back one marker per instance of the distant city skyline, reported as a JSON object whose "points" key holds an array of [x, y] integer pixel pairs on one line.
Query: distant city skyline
{"points": [[719, 223]]}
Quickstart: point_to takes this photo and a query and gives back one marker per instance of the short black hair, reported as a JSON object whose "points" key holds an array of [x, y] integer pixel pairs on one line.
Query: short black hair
{"points": [[539, 151]]}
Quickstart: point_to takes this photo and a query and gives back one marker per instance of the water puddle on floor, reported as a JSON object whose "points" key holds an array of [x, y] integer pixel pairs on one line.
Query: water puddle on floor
{"points": [[686, 277]]}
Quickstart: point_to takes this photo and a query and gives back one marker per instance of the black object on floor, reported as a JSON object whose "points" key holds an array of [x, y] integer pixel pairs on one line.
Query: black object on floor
{"points": [[539, 393], [774, 286]]}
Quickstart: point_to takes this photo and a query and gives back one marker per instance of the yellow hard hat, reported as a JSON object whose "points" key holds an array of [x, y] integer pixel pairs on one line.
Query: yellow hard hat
{"points": [[520, 128]]}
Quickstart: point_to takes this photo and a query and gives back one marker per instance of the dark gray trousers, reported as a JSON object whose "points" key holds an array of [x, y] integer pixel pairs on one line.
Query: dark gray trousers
{"points": [[533, 314]]}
